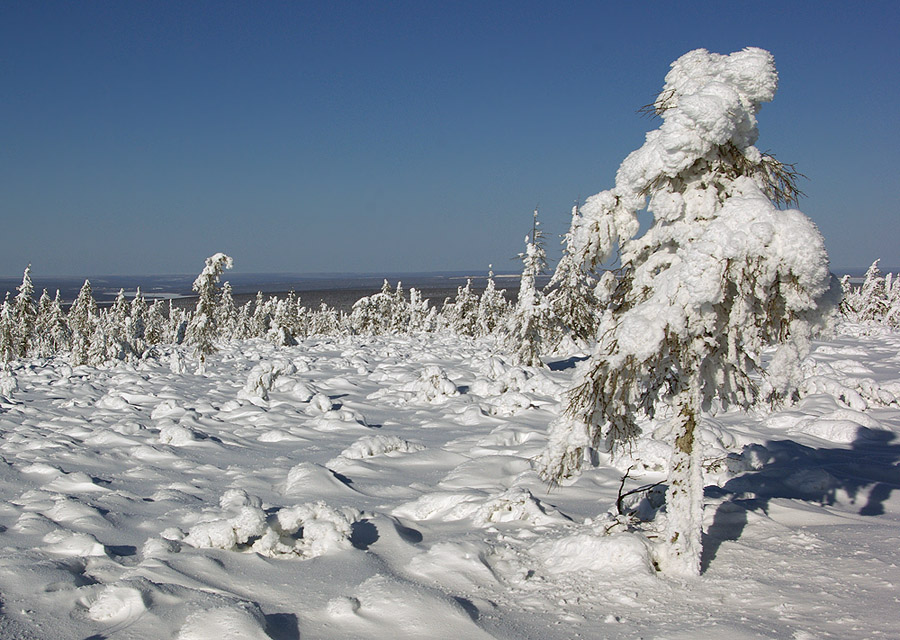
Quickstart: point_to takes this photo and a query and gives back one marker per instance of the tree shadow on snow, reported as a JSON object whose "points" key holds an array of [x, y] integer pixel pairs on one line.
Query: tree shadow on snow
{"points": [[568, 363], [867, 472], [282, 626]]}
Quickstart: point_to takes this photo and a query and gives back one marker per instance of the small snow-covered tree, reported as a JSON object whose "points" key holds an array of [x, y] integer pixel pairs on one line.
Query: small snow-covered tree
{"points": [[527, 320], [43, 336], [262, 316], [82, 319], [492, 307], [892, 289], [281, 330], [417, 311], [201, 331], [8, 350], [55, 328], [324, 321], [24, 315], [226, 312], [461, 315], [136, 324], [720, 274], [872, 300], [570, 296], [157, 325]]}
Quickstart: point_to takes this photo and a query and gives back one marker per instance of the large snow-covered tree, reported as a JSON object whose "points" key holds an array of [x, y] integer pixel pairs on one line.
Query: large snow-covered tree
{"points": [[720, 274]]}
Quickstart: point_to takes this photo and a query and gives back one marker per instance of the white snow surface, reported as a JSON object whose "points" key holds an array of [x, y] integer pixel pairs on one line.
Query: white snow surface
{"points": [[293, 493]]}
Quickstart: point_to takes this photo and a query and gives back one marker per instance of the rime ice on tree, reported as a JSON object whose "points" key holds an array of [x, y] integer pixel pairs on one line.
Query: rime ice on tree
{"points": [[720, 274]]}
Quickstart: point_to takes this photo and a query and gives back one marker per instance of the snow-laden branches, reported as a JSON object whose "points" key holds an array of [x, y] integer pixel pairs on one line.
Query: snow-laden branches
{"points": [[720, 274]]}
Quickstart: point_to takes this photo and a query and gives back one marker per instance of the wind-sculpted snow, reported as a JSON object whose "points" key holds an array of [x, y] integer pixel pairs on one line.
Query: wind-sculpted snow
{"points": [[387, 487]]}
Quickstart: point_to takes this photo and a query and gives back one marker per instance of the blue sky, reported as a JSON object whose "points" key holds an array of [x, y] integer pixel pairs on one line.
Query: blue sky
{"points": [[141, 137]]}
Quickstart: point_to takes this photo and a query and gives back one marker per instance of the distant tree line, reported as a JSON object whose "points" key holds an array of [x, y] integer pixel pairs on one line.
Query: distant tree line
{"points": [[131, 328]]}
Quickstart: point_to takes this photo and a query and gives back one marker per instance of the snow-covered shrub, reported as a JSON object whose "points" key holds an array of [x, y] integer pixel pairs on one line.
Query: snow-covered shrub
{"points": [[370, 446], [433, 385], [304, 531], [720, 274], [263, 378], [308, 531]]}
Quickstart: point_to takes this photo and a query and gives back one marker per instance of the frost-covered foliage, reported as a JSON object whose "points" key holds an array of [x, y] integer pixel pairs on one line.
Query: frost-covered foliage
{"points": [[876, 303], [527, 321], [721, 274]]}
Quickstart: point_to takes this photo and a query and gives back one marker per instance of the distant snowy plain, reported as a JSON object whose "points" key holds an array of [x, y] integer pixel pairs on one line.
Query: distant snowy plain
{"points": [[384, 488]]}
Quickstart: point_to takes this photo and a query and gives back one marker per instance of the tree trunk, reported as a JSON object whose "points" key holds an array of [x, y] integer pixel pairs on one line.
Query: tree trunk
{"points": [[679, 553]]}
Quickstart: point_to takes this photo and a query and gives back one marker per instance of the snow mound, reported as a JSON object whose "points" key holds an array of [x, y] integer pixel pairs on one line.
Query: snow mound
{"points": [[431, 387], [440, 505], [371, 446], [241, 621], [517, 504], [589, 553], [118, 604]]}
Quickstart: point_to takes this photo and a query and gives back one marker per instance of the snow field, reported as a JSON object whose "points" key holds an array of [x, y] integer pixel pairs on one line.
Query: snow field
{"points": [[386, 487]]}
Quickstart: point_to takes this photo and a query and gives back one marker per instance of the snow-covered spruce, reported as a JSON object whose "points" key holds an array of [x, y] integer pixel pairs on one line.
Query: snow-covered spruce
{"points": [[720, 274], [527, 321], [202, 330], [570, 296]]}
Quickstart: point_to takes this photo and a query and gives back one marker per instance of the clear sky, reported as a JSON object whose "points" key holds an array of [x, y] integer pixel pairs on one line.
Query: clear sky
{"points": [[141, 137]]}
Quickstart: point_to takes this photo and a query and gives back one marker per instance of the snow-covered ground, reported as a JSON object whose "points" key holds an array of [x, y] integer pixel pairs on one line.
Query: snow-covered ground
{"points": [[385, 487]]}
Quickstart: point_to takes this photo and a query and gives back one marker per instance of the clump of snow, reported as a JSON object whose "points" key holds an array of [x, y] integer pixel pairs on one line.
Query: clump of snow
{"points": [[433, 385], [308, 531], [175, 434], [370, 446], [304, 531], [229, 532]]}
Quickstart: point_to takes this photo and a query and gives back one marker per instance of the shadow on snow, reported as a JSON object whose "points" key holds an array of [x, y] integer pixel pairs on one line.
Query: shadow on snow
{"points": [[799, 472]]}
